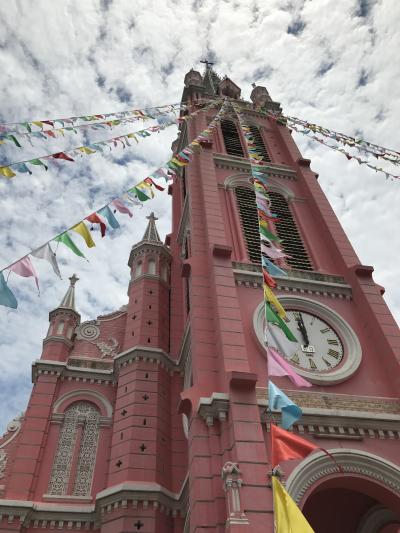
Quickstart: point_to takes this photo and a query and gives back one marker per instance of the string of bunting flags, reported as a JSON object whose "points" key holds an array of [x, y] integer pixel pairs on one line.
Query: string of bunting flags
{"points": [[105, 216], [309, 129], [16, 138], [50, 123], [10, 171]]}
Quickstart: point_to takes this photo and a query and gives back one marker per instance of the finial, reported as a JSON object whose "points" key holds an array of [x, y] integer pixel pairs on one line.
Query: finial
{"points": [[151, 217], [73, 279], [253, 85], [207, 63]]}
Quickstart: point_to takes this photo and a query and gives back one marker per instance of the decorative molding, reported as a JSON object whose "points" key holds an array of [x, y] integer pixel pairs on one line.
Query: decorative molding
{"points": [[242, 165], [83, 394], [13, 428], [108, 350], [143, 353], [144, 495], [213, 408], [357, 462], [302, 282], [3, 463], [276, 185], [114, 314], [231, 476], [88, 331]]}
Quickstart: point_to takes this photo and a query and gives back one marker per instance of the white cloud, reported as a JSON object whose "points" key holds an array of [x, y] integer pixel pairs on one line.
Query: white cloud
{"points": [[59, 59]]}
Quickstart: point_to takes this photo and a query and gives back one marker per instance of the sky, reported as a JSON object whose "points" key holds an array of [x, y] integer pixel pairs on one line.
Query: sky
{"points": [[332, 62]]}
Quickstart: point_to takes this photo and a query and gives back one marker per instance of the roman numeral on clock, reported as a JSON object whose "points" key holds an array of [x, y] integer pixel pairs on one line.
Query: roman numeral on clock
{"points": [[333, 353], [326, 362], [325, 330], [313, 366], [295, 359], [333, 341]]}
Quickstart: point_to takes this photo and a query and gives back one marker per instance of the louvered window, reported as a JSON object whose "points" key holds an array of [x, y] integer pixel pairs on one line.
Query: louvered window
{"points": [[231, 137], [259, 142], [286, 228], [246, 200]]}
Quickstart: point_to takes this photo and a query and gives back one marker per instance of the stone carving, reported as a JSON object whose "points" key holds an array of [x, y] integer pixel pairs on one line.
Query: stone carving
{"points": [[232, 484], [15, 423], [3, 463], [81, 422], [108, 350], [88, 331]]}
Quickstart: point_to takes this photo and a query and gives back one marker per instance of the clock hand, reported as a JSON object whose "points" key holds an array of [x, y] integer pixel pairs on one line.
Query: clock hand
{"points": [[302, 329]]}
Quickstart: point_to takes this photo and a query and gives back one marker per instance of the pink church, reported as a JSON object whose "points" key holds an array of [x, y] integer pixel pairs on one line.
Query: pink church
{"points": [[154, 418]]}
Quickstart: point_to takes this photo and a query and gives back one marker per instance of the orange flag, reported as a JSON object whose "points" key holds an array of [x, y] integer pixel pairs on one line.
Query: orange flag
{"points": [[287, 446]]}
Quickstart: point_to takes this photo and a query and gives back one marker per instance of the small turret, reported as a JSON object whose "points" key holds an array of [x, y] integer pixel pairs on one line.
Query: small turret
{"points": [[63, 321], [259, 96], [148, 291]]}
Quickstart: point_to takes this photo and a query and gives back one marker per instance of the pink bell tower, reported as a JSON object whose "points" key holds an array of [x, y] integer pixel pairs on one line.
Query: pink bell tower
{"points": [[154, 418]]}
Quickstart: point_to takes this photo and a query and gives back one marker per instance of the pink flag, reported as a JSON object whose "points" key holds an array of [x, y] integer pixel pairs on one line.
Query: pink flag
{"points": [[118, 204], [277, 366], [272, 252], [25, 268]]}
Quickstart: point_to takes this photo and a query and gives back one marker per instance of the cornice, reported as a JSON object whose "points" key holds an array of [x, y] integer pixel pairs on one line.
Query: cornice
{"points": [[152, 355], [243, 165], [213, 408], [303, 282], [340, 416]]}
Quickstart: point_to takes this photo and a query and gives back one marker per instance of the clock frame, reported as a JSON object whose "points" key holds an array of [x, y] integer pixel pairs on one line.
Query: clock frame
{"points": [[352, 352]]}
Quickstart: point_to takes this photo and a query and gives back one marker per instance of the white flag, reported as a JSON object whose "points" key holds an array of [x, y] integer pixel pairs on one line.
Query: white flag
{"points": [[45, 252]]}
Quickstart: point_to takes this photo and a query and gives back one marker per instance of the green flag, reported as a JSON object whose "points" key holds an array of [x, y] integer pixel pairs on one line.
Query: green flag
{"points": [[267, 234], [273, 318], [66, 239]]}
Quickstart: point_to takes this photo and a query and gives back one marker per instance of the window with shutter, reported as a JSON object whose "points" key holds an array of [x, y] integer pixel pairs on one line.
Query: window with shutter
{"points": [[259, 142], [286, 229], [233, 146]]}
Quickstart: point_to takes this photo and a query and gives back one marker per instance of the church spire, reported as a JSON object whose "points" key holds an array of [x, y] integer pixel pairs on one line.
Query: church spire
{"points": [[151, 233], [68, 302]]}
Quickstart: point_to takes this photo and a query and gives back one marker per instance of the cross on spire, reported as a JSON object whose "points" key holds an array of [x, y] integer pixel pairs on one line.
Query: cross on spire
{"points": [[207, 63], [73, 279]]}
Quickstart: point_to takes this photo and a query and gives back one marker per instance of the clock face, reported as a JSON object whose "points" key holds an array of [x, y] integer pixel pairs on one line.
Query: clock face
{"points": [[319, 347]]}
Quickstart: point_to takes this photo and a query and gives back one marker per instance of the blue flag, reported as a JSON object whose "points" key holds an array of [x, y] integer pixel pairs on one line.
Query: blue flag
{"points": [[272, 269], [7, 298], [108, 214], [278, 401]]}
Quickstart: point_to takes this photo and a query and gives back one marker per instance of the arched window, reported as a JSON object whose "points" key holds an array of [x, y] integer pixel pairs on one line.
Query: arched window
{"points": [[60, 327], [138, 269], [259, 142], [151, 267], [74, 462], [286, 229], [233, 145], [69, 332]]}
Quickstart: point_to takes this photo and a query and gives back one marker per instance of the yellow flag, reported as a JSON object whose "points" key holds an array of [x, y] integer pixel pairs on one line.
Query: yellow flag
{"points": [[82, 230], [7, 172], [271, 298], [288, 517], [86, 150]]}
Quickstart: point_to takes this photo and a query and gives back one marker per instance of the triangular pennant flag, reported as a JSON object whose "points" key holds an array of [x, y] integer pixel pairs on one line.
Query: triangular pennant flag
{"points": [[38, 162], [66, 239], [272, 252], [272, 269], [121, 207], [7, 172], [285, 446], [21, 167], [140, 195], [25, 268], [278, 401], [45, 252], [273, 318], [95, 219], [108, 215], [287, 516], [7, 298], [85, 233], [63, 155], [272, 299], [277, 366]]}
